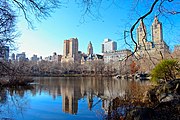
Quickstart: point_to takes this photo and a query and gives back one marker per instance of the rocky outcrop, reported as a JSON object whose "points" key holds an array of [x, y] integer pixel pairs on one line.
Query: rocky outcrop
{"points": [[165, 103], [166, 92]]}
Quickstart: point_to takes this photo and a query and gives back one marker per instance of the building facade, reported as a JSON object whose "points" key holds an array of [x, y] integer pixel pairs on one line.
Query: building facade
{"points": [[4, 53], [150, 52], [156, 46], [116, 56], [176, 52], [70, 50], [108, 45], [13, 57], [54, 58], [176, 48], [90, 49], [34, 58], [21, 56], [90, 58]]}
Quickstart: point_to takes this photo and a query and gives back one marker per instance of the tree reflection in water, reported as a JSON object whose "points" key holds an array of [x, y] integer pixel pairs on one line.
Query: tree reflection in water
{"points": [[107, 97], [113, 94], [120, 106], [13, 101]]}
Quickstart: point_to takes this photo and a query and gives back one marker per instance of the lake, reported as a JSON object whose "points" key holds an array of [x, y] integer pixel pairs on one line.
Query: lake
{"points": [[64, 98]]}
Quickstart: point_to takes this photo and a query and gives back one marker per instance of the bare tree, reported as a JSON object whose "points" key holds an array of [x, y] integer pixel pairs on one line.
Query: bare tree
{"points": [[10, 10], [161, 7], [32, 10]]}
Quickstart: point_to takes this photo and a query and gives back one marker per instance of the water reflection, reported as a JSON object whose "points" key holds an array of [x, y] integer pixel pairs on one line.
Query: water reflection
{"points": [[102, 91], [12, 101], [73, 89]]}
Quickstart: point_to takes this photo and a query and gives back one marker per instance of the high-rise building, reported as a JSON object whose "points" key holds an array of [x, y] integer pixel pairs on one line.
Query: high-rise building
{"points": [[151, 51], [21, 57], [66, 48], [70, 51], [108, 45], [157, 32], [71, 47], [143, 44], [90, 49], [141, 33], [34, 58], [13, 57], [156, 45], [4, 53]]}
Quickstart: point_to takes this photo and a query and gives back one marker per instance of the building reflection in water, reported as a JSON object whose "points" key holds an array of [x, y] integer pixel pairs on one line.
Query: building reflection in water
{"points": [[73, 89]]}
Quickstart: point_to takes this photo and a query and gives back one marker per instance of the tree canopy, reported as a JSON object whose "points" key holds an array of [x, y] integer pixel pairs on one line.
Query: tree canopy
{"points": [[32, 10], [40, 9], [167, 70]]}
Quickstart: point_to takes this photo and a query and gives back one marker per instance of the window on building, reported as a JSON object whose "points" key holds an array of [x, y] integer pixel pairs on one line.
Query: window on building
{"points": [[155, 26], [140, 29], [153, 45]]}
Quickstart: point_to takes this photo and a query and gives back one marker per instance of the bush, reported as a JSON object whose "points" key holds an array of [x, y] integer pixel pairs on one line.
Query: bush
{"points": [[166, 70]]}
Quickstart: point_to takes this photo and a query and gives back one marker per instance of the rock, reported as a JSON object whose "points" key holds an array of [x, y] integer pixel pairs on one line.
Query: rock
{"points": [[167, 98], [152, 96], [140, 114], [165, 92]]}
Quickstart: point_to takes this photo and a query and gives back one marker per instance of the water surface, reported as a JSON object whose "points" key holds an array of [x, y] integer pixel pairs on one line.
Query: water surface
{"points": [[62, 98]]}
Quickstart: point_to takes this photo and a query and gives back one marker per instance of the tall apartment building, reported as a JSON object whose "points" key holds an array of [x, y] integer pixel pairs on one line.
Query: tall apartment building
{"points": [[153, 50], [21, 57], [108, 45], [13, 57], [90, 49], [70, 51], [116, 56], [34, 58], [4, 53], [156, 45]]}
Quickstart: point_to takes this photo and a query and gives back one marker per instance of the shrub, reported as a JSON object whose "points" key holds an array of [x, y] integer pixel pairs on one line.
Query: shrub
{"points": [[166, 70]]}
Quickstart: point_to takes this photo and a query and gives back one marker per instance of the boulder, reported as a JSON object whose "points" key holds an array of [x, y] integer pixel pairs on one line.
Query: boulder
{"points": [[165, 92]]}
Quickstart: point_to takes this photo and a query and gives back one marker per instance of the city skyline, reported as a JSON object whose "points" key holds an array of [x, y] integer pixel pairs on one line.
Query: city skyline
{"points": [[49, 34]]}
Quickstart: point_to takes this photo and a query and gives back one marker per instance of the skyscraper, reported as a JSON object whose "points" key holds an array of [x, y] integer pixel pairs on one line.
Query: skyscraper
{"points": [[108, 45], [157, 44], [157, 33], [154, 49], [13, 57], [4, 53], [70, 51], [90, 49], [21, 56], [141, 33]]}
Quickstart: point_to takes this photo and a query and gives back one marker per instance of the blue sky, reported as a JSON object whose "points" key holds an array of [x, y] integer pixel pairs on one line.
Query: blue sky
{"points": [[67, 22]]}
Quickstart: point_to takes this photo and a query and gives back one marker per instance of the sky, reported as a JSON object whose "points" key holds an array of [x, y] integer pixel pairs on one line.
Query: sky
{"points": [[67, 22]]}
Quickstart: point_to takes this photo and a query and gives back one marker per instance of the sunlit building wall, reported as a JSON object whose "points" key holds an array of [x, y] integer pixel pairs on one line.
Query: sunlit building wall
{"points": [[116, 56], [108, 45], [70, 50]]}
